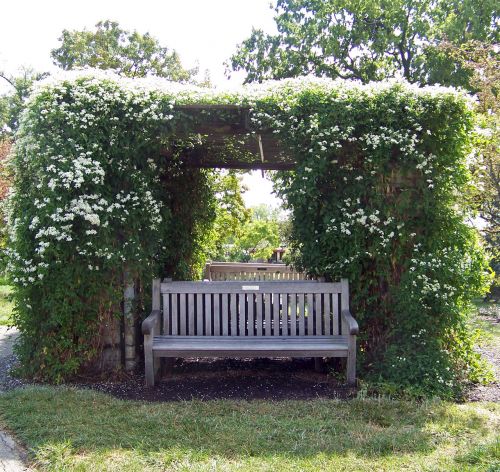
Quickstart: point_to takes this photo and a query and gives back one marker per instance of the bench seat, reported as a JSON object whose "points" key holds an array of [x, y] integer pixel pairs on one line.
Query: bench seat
{"points": [[257, 346]]}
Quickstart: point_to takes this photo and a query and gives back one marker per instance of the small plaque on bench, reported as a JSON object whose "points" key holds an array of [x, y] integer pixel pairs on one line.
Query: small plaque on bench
{"points": [[250, 287]]}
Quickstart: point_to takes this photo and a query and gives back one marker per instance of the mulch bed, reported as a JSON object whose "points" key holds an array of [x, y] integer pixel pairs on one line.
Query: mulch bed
{"points": [[241, 379], [214, 379]]}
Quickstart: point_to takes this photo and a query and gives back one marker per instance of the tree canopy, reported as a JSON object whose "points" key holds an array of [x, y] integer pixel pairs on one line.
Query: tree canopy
{"points": [[11, 103], [363, 39], [129, 53], [256, 238]]}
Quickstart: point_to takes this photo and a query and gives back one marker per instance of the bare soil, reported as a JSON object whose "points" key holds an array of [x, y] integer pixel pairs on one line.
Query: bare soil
{"points": [[244, 379]]}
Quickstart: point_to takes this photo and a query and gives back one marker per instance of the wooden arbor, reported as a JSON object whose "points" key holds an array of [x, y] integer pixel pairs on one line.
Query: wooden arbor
{"points": [[223, 137]]}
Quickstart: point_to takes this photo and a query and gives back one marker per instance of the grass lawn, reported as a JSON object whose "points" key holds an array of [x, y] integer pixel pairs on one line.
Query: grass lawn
{"points": [[490, 331], [82, 430], [5, 303], [68, 429]]}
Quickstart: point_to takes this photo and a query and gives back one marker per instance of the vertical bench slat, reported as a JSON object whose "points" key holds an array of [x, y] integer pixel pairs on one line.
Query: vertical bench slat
{"points": [[310, 314], [318, 314], [284, 314], [251, 320], [267, 308], [276, 304], [302, 324], [234, 315], [182, 314], [293, 314], [242, 314], [217, 314], [190, 307], [199, 314], [174, 314], [166, 313], [328, 315], [335, 320], [258, 306], [208, 314], [225, 314]]}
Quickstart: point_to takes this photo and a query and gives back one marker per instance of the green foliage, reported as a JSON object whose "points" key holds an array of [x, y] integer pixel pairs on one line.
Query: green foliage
{"points": [[128, 53], [256, 239], [366, 40], [93, 197], [5, 304], [375, 197], [11, 103], [232, 215]]}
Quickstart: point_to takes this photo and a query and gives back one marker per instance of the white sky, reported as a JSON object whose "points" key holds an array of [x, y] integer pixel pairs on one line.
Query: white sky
{"points": [[201, 31]]}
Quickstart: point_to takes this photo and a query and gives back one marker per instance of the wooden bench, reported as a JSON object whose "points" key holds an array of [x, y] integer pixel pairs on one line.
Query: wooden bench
{"points": [[215, 271], [249, 319]]}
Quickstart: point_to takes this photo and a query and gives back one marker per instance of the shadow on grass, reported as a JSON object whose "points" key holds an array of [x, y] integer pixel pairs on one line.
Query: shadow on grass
{"points": [[87, 423]]}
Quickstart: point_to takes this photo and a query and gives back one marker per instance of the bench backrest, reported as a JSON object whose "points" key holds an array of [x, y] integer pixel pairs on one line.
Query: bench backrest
{"points": [[306, 308], [250, 271]]}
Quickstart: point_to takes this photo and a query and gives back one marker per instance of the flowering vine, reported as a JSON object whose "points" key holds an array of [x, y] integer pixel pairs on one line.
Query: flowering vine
{"points": [[375, 197]]}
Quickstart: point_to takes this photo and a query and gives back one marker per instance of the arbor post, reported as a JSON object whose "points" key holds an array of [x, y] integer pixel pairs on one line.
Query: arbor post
{"points": [[129, 322]]}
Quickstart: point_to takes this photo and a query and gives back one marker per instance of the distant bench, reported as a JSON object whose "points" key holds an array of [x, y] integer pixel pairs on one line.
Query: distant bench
{"points": [[215, 271], [249, 319]]}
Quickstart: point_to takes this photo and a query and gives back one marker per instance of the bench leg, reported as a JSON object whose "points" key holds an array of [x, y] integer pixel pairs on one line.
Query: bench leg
{"points": [[351, 361], [149, 362]]}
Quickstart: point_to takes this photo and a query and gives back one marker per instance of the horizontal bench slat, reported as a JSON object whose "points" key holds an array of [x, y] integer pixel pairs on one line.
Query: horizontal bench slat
{"points": [[251, 287], [195, 346], [255, 343]]}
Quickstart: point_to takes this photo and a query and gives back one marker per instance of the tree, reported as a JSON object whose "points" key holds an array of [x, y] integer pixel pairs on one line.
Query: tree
{"points": [[481, 62], [361, 39], [232, 214], [256, 238], [12, 103], [131, 54]]}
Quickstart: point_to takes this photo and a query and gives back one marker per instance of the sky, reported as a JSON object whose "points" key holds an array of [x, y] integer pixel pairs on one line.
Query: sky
{"points": [[203, 32]]}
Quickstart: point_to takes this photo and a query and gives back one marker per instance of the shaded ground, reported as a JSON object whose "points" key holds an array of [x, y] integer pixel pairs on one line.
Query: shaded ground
{"points": [[245, 379], [7, 359]]}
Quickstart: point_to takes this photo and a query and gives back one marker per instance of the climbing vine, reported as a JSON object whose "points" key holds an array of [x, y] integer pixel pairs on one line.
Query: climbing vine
{"points": [[101, 186], [376, 197]]}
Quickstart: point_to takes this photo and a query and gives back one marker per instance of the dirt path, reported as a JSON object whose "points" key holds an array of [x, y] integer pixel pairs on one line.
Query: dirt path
{"points": [[489, 321]]}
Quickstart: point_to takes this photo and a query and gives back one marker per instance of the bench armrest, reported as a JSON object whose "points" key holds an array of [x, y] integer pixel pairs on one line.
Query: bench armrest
{"points": [[352, 324], [150, 324]]}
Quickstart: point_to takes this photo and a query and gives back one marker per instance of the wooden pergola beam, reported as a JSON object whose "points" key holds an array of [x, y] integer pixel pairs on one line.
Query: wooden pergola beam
{"points": [[257, 165], [217, 132]]}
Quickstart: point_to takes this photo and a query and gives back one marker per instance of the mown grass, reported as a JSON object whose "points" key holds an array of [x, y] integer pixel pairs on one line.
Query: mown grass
{"points": [[68, 429], [487, 313], [82, 430], [5, 303]]}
